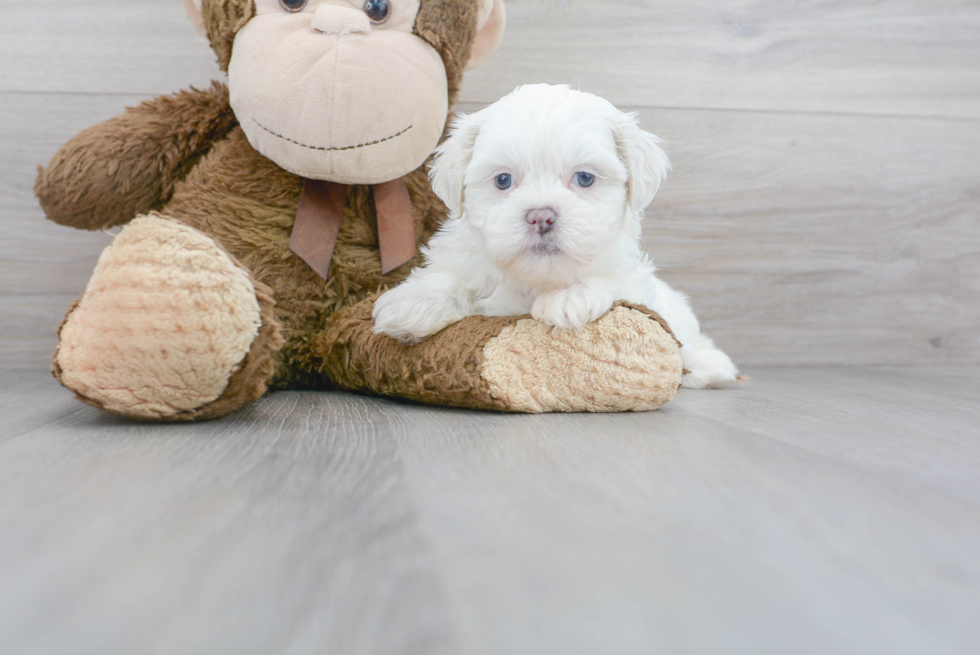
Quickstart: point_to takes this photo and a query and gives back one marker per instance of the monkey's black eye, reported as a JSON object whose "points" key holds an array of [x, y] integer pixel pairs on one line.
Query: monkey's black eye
{"points": [[377, 10], [293, 6], [584, 179], [504, 181]]}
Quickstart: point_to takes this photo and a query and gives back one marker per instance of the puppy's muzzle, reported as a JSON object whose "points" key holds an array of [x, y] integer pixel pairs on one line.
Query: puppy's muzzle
{"points": [[542, 220]]}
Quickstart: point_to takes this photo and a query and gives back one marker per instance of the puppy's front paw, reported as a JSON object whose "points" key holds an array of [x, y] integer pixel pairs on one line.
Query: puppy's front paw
{"points": [[709, 368], [410, 316], [572, 308]]}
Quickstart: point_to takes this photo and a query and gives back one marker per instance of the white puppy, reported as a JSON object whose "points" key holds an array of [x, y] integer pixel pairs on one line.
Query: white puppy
{"points": [[546, 191]]}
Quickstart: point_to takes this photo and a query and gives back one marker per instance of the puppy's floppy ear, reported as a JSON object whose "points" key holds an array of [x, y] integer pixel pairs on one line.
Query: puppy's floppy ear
{"points": [[448, 169], [645, 160]]}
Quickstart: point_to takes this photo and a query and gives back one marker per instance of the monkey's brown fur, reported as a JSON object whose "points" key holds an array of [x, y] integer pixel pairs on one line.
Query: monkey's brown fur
{"points": [[185, 157]]}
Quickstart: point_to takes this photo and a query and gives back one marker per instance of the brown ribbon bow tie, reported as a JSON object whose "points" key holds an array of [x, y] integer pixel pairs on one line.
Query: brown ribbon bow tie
{"points": [[321, 208]]}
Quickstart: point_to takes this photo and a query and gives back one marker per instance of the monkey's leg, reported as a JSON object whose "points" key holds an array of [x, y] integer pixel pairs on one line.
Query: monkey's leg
{"points": [[626, 361], [170, 328]]}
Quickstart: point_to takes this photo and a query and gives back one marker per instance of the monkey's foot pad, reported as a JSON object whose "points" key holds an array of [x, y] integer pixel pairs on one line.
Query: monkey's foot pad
{"points": [[626, 361], [165, 322]]}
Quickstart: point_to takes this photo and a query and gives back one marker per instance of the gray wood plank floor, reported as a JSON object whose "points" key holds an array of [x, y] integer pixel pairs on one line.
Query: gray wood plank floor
{"points": [[812, 511]]}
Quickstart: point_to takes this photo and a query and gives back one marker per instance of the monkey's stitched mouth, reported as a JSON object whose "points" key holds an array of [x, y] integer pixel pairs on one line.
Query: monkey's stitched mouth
{"points": [[333, 148]]}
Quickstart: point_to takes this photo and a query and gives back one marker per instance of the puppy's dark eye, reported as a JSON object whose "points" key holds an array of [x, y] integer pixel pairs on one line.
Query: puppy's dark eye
{"points": [[293, 6], [377, 11], [584, 179], [504, 181]]}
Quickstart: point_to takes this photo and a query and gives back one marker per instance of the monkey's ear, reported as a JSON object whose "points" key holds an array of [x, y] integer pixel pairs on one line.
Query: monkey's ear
{"points": [[448, 169], [493, 20], [646, 162], [193, 8]]}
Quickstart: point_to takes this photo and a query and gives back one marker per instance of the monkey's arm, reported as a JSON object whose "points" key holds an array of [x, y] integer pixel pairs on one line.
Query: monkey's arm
{"points": [[626, 361], [129, 165]]}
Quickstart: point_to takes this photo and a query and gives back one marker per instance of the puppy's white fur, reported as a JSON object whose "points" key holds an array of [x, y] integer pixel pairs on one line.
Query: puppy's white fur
{"points": [[489, 259]]}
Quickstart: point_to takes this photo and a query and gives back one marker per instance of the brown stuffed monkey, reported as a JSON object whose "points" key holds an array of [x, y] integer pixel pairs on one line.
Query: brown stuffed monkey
{"points": [[262, 218]]}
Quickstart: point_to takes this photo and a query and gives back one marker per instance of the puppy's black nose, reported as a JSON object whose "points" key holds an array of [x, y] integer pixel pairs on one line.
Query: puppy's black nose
{"points": [[542, 219]]}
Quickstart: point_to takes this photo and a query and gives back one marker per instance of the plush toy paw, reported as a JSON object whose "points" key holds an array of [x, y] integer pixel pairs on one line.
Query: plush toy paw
{"points": [[169, 328], [628, 360]]}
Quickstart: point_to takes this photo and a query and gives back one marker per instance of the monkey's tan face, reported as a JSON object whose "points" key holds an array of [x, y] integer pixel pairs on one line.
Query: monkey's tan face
{"points": [[339, 90]]}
